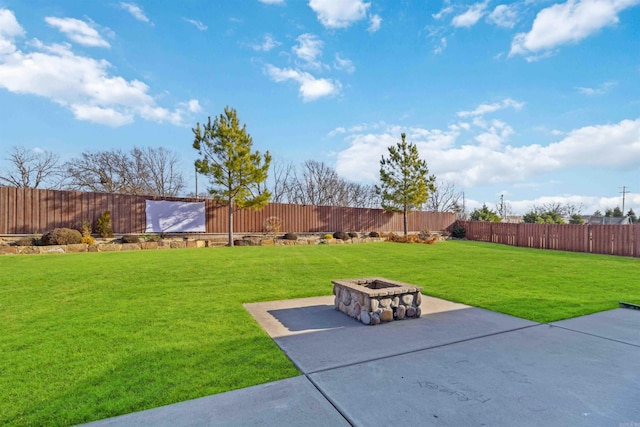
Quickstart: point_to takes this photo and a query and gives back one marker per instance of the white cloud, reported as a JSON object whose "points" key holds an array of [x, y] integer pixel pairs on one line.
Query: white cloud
{"points": [[100, 115], [344, 64], [567, 23], [135, 11], [440, 47], [589, 204], [445, 11], [84, 85], [375, 21], [488, 160], [613, 145], [490, 108], [503, 15], [600, 90], [361, 161], [309, 48], [78, 31], [311, 88], [193, 106], [496, 133], [471, 16], [339, 13], [9, 26], [9, 30], [197, 23], [268, 43], [337, 131]]}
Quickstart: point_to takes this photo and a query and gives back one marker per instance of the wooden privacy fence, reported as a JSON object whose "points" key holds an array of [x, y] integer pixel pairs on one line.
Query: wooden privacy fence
{"points": [[32, 211], [623, 240]]}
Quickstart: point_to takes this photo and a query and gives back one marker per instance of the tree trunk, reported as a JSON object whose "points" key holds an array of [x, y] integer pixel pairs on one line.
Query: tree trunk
{"points": [[405, 221], [230, 221]]}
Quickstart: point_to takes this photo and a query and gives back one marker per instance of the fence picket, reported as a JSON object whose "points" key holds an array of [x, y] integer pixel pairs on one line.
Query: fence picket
{"points": [[621, 240], [47, 209]]}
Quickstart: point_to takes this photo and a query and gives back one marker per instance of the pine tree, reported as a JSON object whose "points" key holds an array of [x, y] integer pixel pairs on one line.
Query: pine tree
{"points": [[487, 215], [576, 219], [404, 180], [632, 216], [237, 174]]}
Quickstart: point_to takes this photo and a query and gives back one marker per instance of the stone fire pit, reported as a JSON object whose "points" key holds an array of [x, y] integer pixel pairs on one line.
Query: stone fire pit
{"points": [[376, 300]]}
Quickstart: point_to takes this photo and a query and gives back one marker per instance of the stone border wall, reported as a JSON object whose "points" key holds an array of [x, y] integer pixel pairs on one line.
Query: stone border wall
{"points": [[6, 248]]}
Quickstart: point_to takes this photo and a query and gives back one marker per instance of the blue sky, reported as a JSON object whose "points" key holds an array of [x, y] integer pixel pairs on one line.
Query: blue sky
{"points": [[538, 101]]}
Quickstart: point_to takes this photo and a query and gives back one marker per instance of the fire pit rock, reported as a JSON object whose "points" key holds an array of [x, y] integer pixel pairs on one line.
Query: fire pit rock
{"points": [[376, 300]]}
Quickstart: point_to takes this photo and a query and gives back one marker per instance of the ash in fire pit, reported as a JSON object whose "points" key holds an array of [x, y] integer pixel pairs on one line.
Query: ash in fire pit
{"points": [[377, 300]]}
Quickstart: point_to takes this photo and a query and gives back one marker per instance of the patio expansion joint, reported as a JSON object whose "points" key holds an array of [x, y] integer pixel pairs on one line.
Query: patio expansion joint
{"points": [[328, 399], [594, 335], [391, 356]]}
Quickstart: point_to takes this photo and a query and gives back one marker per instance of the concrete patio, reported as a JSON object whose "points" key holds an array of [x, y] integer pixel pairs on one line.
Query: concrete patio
{"points": [[456, 365]]}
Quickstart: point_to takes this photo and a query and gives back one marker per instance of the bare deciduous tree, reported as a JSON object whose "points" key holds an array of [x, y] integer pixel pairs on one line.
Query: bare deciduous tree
{"points": [[32, 169], [143, 171], [446, 198], [281, 177], [163, 173], [558, 208], [318, 184]]}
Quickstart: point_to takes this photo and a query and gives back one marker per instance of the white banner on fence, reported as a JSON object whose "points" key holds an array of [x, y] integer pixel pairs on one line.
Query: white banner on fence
{"points": [[175, 217]]}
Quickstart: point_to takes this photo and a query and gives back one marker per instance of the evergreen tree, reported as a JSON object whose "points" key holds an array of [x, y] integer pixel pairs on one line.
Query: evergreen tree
{"points": [[404, 180], [576, 219], [485, 214], [532, 218], [551, 218], [632, 216], [617, 212], [237, 174]]}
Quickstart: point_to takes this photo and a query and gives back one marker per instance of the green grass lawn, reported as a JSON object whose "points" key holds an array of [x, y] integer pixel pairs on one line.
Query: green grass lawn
{"points": [[93, 335]]}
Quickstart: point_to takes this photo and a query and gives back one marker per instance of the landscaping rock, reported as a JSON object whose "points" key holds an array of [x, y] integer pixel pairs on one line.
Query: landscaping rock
{"points": [[79, 247], [149, 245], [8, 249], [110, 247], [375, 319], [365, 317], [385, 302], [52, 249], [400, 312], [386, 315]]}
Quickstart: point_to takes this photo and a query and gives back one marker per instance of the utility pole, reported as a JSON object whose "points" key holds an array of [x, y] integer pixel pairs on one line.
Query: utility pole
{"points": [[624, 192], [196, 169], [464, 208], [501, 208]]}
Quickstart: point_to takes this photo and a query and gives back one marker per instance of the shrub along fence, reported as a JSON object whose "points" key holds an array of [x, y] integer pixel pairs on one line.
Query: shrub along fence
{"points": [[623, 240], [33, 211]]}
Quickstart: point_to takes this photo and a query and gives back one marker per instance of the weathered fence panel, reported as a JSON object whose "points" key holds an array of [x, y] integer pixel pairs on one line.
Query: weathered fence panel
{"points": [[32, 211], [622, 240]]}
